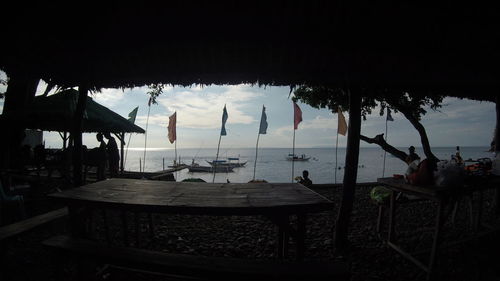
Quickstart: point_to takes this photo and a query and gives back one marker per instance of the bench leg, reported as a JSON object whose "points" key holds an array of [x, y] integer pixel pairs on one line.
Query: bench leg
{"points": [[151, 229], [437, 240], [380, 216], [283, 236], [123, 216], [392, 218], [301, 236]]}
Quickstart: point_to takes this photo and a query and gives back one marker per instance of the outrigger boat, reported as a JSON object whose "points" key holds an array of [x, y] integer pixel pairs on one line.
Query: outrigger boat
{"points": [[210, 169], [294, 157], [228, 163]]}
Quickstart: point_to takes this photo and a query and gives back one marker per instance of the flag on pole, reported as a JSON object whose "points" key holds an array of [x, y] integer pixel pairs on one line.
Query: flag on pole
{"points": [[224, 119], [342, 126], [263, 122], [132, 115], [172, 123], [389, 116], [297, 116]]}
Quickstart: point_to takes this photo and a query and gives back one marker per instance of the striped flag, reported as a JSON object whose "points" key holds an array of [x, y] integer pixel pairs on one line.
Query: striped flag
{"points": [[224, 119], [263, 122], [172, 130], [297, 116], [342, 126]]}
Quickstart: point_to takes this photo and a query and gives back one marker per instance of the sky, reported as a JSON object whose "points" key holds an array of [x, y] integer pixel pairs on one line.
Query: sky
{"points": [[199, 114]]}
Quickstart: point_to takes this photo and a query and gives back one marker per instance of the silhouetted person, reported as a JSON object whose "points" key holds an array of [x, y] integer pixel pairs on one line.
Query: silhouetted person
{"points": [[113, 155], [101, 166], [305, 179], [412, 156]]}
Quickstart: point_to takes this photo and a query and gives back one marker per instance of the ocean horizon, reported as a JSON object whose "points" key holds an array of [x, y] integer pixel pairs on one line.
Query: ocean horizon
{"points": [[272, 165]]}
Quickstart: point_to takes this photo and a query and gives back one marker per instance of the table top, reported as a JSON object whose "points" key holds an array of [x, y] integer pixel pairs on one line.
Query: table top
{"points": [[197, 198], [437, 192], [402, 186]]}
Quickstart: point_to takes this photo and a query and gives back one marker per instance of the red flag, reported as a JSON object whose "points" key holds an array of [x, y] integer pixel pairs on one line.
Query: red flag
{"points": [[172, 133], [297, 116], [342, 127]]}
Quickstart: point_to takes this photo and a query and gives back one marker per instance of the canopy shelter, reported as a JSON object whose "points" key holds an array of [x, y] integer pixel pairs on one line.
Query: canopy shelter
{"points": [[56, 112], [448, 49]]}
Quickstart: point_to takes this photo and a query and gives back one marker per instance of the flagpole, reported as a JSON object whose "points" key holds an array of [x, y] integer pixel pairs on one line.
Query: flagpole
{"points": [[256, 149], [126, 152], [293, 153], [146, 139], [336, 153], [385, 152], [214, 166], [175, 158]]}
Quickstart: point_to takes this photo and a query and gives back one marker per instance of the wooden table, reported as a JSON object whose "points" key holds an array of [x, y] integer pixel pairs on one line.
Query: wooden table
{"points": [[441, 195], [277, 201]]}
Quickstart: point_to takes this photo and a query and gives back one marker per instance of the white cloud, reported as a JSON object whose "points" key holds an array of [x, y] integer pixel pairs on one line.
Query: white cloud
{"points": [[197, 109], [318, 123], [109, 96]]}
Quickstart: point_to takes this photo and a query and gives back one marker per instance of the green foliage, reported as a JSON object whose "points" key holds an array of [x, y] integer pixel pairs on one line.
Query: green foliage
{"points": [[155, 90], [334, 98], [3, 82]]}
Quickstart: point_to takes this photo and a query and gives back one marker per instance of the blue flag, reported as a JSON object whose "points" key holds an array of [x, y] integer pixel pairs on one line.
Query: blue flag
{"points": [[389, 117], [263, 122], [224, 119]]}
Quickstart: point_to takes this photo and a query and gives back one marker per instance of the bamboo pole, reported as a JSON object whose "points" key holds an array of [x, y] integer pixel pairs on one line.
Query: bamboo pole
{"points": [[256, 150], [293, 154], [336, 155], [385, 152], [146, 138], [214, 166]]}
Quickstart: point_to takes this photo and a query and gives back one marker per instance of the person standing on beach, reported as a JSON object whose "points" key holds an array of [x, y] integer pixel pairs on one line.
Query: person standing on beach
{"points": [[101, 158], [113, 155]]}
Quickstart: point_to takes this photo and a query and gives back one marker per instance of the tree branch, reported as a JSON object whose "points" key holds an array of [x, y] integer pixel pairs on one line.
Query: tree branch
{"points": [[423, 134], [379, 140]]}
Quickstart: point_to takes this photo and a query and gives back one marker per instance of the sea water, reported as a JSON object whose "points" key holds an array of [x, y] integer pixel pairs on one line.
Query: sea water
{"points": [[272, 165]]}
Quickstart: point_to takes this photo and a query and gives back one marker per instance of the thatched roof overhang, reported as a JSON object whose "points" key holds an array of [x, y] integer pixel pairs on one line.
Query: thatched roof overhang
{"points": [[449, 49], [56, 112]]}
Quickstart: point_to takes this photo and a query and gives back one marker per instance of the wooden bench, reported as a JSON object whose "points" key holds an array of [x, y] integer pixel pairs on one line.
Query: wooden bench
{"points": [[183, 267], [14, 229]]}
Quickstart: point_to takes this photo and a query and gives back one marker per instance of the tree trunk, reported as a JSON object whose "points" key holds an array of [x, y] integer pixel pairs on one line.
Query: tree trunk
{"points": [[423, 135], [497, 150], [379, 140], [77, 135], [20, 92], [351, 171], [497, 129]]}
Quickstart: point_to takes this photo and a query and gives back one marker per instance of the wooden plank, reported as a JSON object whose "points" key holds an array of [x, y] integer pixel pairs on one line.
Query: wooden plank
{"points": [[17, 228], [199, 266]]}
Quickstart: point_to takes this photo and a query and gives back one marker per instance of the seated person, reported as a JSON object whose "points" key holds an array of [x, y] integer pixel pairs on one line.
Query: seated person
{"points": [[412, 156], [305, 179]]}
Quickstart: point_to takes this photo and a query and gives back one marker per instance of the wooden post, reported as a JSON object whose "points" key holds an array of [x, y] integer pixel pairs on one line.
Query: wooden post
{"points": [[77, 134], [122, 150], [20, 93], [497, 151], [351, 171]]}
